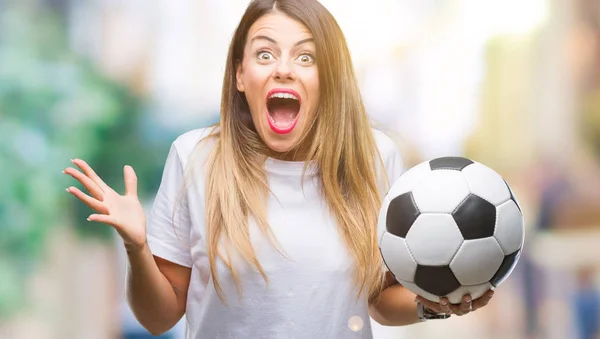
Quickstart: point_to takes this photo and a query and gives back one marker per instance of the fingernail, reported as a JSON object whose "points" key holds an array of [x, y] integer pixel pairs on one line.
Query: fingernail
{"points": [[491, 294], [468, 300], [416, 300], [444, 302], [88, 219], [66, 189]]}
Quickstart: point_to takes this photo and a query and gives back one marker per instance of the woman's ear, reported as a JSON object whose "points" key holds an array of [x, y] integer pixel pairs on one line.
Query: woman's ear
{"points": [[238, 77]]}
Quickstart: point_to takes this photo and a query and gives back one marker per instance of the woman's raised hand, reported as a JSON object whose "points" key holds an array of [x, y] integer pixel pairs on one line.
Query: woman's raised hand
{"points": [[123, 212]]}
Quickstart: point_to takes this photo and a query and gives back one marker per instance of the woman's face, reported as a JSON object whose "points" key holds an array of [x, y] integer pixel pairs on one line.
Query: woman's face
{"points": [[280, 79]]}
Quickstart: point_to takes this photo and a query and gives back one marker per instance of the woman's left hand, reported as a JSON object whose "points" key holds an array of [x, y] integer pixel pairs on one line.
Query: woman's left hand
{"points": [[467, 306]]}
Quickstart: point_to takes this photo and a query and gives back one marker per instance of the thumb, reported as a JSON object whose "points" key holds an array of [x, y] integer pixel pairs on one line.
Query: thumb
{"points": [[130, 181]]}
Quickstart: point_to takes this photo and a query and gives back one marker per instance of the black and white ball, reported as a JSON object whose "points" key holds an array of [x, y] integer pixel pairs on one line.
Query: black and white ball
{"points": [[452, 227]]}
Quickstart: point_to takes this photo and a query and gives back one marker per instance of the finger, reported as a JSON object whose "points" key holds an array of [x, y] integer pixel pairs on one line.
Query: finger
{"points": [[89, 185], [436, 307], [130, 181], [466, 306], [91, 174], [445, 305], [483, 300], [456, 309], [103, 218], [91, 202]]}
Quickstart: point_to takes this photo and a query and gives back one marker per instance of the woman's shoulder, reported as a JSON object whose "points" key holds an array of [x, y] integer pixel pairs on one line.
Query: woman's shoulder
{"points": [[390, 155], [195, 142], [385, 144]]}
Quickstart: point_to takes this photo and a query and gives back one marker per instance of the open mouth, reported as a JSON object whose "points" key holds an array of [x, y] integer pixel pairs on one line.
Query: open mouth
{"points": [[283, 108]]}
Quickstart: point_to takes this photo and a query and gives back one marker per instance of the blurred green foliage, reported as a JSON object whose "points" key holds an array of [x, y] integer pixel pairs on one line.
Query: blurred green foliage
{"points": [[54, 106]]}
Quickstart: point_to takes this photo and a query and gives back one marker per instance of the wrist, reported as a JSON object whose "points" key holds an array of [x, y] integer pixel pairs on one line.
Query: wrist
{"points": [[135, 249], [424, 313]]}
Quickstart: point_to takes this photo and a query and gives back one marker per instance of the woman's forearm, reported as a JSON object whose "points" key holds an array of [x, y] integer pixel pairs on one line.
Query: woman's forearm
{"points": [[396, 306], [150, 295]]}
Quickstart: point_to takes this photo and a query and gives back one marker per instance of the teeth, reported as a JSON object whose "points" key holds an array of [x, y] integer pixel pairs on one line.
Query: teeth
{"points": [[283, 96]]}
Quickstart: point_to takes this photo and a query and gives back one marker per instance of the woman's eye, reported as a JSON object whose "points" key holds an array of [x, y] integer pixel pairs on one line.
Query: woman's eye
{"points": [[265, 56], [306, 58]]}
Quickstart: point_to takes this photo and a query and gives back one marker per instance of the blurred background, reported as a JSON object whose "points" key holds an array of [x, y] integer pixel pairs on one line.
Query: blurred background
{"points": [[512, 84]]}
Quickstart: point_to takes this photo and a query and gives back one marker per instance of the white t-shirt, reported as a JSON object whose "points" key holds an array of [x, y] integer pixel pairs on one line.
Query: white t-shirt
{"points": [[311, 293]]}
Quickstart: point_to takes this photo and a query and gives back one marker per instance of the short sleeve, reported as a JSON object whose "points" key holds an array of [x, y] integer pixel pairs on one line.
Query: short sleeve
{"points": [[394, 165], [392, 161], [168, 226]]}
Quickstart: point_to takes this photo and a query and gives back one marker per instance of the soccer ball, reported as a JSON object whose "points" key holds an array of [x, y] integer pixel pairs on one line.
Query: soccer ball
{"points": [[452, 227]]}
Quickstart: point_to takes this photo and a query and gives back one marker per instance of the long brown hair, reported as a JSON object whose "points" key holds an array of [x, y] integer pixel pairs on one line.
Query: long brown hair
{"points": [[236, 182]]}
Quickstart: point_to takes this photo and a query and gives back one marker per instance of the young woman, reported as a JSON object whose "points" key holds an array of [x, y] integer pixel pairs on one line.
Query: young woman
{"points": [[264, 226]]}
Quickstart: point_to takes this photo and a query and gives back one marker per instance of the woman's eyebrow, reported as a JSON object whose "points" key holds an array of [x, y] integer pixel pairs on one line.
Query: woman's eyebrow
{"points": [[264, 37]]}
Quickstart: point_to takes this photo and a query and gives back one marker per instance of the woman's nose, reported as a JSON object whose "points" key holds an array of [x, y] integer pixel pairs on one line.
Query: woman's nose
{"points": [[284, 71]]}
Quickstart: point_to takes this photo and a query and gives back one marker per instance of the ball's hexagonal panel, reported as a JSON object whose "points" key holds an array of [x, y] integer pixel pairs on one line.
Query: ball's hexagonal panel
{"points": [[441, 192], [437, 280], [509, 227], [513, 197], [419, 291], [408, 180], [476, 291], [397, 258], [506, 268], [449, 163], [476, 218], [401, 214], [477, 261], [433, 239], [486, 183]]}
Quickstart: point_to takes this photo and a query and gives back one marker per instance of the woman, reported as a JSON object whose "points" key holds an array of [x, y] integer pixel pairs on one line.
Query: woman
{"points": [[264, 226]]}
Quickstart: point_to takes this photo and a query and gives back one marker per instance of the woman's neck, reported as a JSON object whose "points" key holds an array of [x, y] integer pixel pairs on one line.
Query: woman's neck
{"points": [[299, 153], [292, 155]]}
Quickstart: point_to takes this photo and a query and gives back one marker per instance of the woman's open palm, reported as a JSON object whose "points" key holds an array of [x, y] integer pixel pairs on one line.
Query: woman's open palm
{"points": [[123, 212]]}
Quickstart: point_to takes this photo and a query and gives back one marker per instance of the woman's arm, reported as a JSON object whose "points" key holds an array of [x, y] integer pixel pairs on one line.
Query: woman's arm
{"points": [[395, 306], [156, 290]]}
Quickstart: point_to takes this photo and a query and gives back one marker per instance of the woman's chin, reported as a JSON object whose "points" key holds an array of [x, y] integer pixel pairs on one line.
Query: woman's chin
{"points": [[280, 146], [280, 143]]}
